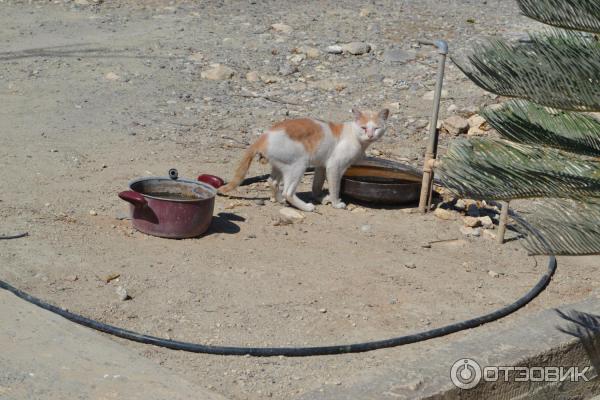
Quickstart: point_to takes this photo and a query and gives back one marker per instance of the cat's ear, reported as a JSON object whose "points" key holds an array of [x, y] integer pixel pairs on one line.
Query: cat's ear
{"points": [[357, 113], [384, 114]]}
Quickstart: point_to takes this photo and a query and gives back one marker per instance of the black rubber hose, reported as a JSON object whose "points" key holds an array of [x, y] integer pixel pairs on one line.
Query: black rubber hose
{"points": [[292, 351], [298, 351]]}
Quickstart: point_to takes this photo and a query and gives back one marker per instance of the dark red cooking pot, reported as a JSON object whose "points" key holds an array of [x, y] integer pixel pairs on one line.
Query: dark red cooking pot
{"points": [[170, 207]]}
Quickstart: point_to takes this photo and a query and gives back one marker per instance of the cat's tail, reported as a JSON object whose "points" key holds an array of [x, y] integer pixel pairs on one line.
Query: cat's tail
{"points": [[240, 173]]}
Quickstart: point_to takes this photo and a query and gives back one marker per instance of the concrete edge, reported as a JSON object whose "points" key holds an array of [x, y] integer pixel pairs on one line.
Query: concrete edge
{"points": [[533, 340]]}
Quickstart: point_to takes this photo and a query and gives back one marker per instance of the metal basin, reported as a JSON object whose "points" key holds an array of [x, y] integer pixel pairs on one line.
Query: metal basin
{"points": [[379, 181]]}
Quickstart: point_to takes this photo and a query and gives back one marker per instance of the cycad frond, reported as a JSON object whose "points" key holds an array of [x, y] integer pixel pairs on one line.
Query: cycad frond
{"points": [[561, 226], [524, 122], [502, 170], [582, 15], [558, 69]]}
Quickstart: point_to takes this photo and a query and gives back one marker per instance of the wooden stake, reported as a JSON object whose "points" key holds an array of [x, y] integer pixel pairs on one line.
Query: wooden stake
{"points": [[503, 221]]}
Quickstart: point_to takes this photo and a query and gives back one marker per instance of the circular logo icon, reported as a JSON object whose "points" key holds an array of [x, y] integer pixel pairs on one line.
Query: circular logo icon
{"points": [[465, 373]]}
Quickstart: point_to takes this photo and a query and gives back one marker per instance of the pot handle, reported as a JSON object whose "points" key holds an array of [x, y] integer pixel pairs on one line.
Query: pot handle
{"points": [[134, 198], [212, 180]]}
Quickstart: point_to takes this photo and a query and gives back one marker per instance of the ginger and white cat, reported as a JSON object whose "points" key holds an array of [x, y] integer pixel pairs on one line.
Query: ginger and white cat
{"points": [[291, 146]]}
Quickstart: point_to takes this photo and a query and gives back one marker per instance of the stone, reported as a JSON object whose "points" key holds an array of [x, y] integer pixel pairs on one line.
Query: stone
{"points": [[252, 76], [455, 125], [296, 59], [287, 69], [445, 214], [357, 48], [472, 222], [493, 274], [93, 213], [486, 222], [71, 278], [111, 76], [395, 55], [366, 12], [217, 72], [290, 215], [460, 204], [467, 231], [334, 49], [322, 310], [489, 234], [431, 94], [196, 57], [328, 84], [365, 228], [477, 125], [452, 108], [311, 52], [269, 79], [410, 266], [282, 28], [122, 293]]}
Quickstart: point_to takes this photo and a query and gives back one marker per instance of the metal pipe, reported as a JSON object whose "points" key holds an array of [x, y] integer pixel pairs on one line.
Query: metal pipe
{"points": [[503, 221], [427, 185]]}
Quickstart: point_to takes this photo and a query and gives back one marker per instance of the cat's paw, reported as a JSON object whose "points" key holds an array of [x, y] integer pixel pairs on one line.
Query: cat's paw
{"points": [[339, 205], [325, 200], [309, 207]]}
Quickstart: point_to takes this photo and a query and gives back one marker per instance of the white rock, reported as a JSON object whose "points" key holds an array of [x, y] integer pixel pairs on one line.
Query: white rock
{"points": [[477, 125], [283, 28], [366, 12], [472, 222], [455, 125], [334, 49], [442, 213], [357, 48], [217, 72], [493, 274], [93, 213], [486, 222], [290, 215], [122, 293], [311, 52], [111, 76], [329, 84], [252, 76], [269, 79], [296, 59], [196, 57], [467, 231]]}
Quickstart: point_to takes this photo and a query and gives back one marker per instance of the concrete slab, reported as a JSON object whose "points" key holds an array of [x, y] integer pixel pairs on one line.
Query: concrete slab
{"points": [[533, 341], [44, 356]]}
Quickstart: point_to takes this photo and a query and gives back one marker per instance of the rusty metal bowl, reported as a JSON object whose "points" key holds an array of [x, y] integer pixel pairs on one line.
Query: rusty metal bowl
{"points": [[378, 181]]}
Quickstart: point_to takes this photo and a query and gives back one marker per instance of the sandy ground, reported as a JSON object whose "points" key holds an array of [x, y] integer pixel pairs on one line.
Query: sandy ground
{"points": [[96, 95]]}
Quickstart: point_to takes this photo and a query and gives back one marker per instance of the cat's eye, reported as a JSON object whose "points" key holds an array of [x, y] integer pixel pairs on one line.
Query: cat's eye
{"points": [[364, 128]]}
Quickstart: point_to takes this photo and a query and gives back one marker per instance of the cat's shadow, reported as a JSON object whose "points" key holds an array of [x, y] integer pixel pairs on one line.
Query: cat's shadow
{"points": [[223, 223]]}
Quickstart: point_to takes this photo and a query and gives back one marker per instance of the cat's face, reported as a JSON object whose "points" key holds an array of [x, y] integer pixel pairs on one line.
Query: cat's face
{"points": [[370, 125]]}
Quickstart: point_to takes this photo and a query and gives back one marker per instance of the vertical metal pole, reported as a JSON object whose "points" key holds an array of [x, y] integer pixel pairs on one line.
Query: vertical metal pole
{"points": [[503, 221], [427, 185]]}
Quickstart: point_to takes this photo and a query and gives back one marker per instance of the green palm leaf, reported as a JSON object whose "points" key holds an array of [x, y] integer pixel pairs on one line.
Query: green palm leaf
{"points": [[525, 122], [561, 226], [557, 69], [583, 15], [501, 170]]}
